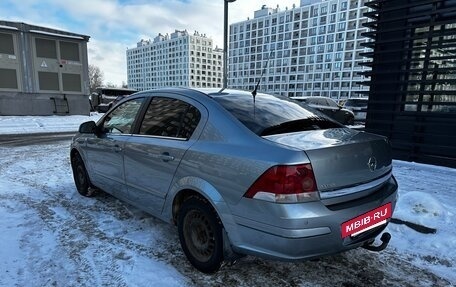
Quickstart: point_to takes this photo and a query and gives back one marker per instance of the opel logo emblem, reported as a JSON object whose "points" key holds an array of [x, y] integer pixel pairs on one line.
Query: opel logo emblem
{"points": [[372, 163]]}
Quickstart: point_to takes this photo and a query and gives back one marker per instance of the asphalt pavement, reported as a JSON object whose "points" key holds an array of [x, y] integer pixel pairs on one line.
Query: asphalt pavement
{"points": [[11, 140]]}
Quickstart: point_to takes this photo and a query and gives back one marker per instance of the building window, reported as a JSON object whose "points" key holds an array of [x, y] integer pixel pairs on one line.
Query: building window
{"points": [[324, 10], [45, 48], [343, 16], [8, 79], [6, 44], [69, 51], [48, 81], [71, 82], [343, 5]]}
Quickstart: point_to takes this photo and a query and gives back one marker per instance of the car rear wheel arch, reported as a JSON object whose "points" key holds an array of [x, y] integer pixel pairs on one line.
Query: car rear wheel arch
{"points": [[186, 187], [179, 199]]}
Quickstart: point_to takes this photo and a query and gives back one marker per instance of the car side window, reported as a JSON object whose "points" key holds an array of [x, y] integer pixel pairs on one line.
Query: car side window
{"points": [[167, 117], [332, 103], [121, 119], [322, 102]]}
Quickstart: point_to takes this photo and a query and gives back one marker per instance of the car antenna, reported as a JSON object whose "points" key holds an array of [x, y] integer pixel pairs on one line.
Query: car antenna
{"points": [[254, 92]]}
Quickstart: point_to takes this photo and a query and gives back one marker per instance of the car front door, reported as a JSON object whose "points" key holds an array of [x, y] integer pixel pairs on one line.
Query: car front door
{"points": [[152, 156], [105, 151]]}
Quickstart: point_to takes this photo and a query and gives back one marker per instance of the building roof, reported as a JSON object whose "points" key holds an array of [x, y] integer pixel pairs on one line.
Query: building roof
{"points": [[24, 27]]}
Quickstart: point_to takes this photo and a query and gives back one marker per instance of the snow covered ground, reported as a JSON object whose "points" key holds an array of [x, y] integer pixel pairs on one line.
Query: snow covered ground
{"points": [[43, 124], [50, 236]]}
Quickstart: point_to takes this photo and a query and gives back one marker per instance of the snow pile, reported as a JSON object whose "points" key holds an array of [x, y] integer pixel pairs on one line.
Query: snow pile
{"points": [[426, 197], [43, 124]]}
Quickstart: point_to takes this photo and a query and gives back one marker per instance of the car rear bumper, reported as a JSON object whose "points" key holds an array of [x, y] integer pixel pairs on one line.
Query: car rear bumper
{"points": [[305, 235]]}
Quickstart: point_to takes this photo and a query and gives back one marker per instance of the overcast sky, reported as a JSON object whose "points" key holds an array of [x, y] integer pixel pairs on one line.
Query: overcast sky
{"points": [[115, 25]]}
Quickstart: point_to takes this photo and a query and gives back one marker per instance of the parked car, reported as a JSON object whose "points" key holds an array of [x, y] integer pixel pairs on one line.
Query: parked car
{"points": [[238, 174], [358, 106], [329, 107], [103, 98]]}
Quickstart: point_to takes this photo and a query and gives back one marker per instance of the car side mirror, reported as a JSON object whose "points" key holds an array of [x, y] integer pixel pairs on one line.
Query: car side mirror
{"points": [[88, 128]]}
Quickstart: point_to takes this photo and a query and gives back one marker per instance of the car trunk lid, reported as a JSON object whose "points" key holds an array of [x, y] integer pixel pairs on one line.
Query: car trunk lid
{"points": [[341, 158]]}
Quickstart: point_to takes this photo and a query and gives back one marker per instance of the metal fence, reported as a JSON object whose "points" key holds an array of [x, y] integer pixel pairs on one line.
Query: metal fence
{"points": [[412, 97]]}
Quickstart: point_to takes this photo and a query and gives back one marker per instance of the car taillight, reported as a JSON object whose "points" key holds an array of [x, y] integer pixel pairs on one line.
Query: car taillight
{"points": [[285, 184]]}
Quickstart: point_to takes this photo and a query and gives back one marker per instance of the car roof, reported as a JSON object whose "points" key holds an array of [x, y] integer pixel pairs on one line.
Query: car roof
{"points": [[215, 92], [312, 98], [210, 92], [309, 97]]}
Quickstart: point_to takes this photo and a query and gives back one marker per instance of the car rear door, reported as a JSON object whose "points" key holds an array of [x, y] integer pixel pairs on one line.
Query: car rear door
{"points": [[167, 131]]}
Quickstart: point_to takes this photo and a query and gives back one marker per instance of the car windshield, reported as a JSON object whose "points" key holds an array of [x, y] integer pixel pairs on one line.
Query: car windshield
{"points": [[273, 114]]}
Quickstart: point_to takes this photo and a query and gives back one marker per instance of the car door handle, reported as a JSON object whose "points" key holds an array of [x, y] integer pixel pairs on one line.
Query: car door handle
{"points": [[166, 157]]}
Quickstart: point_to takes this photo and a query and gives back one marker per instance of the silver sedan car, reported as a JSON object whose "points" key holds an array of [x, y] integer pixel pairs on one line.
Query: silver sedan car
{"points": [[240, 174]]}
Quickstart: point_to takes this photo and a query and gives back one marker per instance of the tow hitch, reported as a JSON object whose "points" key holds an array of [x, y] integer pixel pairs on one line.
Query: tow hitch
{"points": [[385, 240]]}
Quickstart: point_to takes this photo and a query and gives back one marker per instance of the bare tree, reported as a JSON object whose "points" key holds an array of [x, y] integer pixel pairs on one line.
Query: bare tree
{"points": [[124, 85], [95, 77]]}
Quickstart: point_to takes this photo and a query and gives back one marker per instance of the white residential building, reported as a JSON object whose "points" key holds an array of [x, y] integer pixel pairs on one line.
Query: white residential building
{"points": [[311, 50], [176, 60]]}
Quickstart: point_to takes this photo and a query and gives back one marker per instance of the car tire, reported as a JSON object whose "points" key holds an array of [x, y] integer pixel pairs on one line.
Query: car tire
{"points": [[81, 177], [350, 120], [200, 235]]}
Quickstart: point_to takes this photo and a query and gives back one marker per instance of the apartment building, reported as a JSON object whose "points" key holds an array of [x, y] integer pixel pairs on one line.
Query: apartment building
{"points": [[177, 60], [311, 50]]}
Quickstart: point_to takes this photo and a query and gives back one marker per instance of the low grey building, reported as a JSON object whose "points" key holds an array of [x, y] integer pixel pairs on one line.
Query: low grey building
{"points": [[43, 71]]}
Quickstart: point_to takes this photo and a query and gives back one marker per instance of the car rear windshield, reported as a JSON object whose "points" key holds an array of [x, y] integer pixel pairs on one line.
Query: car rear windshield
{"points": [[270, 114]]}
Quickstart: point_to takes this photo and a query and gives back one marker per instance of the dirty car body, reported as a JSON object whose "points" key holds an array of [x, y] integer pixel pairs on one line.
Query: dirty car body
{"points": [[237, 175]]}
